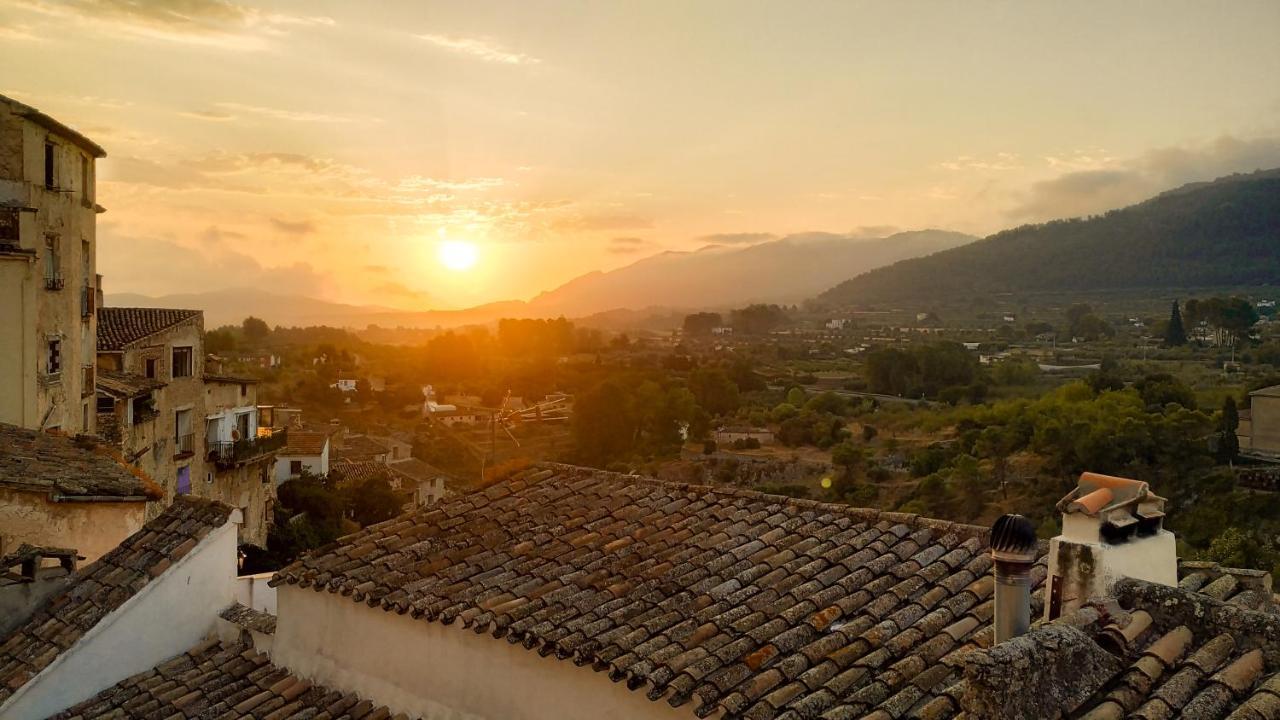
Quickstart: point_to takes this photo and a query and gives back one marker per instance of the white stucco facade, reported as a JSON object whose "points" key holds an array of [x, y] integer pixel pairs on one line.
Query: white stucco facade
{"points": [[167, 617], [442, 672], [316, 464]]}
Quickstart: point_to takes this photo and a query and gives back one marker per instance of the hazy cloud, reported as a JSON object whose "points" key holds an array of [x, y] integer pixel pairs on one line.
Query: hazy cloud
{"points": [[478, 48], [208, 22], [999, 162], [744, 238], [159, 266], [870, 232], [19, 31], [1092, 191], [290, 115], [209, 115], [300, 227], [603, 221], [629, 245]]}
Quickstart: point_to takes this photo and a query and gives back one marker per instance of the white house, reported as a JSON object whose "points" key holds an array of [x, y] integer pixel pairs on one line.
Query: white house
{"points": [[305, 451]]}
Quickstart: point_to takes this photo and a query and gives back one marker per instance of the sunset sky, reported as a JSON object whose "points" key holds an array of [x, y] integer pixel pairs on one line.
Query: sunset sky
{"points": [[331, 148]]}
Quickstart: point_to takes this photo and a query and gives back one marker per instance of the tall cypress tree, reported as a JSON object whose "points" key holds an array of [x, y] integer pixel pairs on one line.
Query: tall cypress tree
{"points": [[1175, 334]]}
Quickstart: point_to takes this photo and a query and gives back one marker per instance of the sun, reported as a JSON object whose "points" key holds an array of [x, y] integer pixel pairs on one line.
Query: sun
{"points": [[458, 255]]}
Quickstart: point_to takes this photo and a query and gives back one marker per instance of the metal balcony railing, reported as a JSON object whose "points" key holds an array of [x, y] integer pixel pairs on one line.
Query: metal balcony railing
{"points": [[184, 444], [230, 453], [53, 282]]}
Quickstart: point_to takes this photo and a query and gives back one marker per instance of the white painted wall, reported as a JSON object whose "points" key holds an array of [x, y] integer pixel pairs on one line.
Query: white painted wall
{"points": [[1153, 558], [317, 464], [170, 615], [253, 592], [442, 672]]}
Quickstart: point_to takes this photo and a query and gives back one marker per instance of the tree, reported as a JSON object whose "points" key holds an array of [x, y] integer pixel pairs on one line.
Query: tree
{"points": [[220, 340], [1228, 443], [714, 391], [1175, 334], [255, 330], [701, 323], [604, 424], [758, 319]]}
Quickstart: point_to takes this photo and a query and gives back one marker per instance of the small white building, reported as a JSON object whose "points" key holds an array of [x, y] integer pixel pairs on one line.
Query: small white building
{"points": [[306, 451]]}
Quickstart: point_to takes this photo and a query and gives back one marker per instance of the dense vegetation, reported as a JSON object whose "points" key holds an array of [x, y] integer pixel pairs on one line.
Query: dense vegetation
{"points": [[1223, 233]]}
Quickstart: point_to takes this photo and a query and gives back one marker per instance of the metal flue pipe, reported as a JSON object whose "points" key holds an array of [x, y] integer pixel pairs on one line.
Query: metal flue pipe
{"points": [[1013, 548]]}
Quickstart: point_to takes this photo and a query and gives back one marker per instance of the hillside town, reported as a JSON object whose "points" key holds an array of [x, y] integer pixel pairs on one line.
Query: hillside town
{"points": [[876, 474]]}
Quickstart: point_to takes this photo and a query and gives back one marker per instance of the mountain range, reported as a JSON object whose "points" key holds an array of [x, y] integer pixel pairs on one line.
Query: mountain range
{"points": [[1211, 234], [786, 270]]}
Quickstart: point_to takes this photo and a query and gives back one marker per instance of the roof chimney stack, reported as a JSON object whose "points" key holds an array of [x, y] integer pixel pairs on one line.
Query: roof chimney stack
{"points": [[1013, 548], [1112, 528]]}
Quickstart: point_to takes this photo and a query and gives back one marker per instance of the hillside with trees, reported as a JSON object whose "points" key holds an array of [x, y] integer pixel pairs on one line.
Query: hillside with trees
{"points": [[1216, 234]]}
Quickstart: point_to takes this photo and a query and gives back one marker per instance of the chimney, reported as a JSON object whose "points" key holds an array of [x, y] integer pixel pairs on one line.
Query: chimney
{"points": [[1112, 528], [1013, 548]]}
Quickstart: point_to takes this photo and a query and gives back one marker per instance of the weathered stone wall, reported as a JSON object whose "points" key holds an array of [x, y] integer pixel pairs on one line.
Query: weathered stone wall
{"points": [[1265, 424], [92, 528]]}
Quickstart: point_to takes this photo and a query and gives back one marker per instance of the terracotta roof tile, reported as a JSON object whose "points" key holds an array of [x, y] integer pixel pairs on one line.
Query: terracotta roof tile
{"points": [[303, 442], [46, 462], [215, 680], [119, 326], [100, 588]]}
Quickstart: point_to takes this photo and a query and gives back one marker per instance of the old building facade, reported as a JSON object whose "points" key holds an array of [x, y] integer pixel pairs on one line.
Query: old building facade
{"points": [[48, 280], [239, 454]]}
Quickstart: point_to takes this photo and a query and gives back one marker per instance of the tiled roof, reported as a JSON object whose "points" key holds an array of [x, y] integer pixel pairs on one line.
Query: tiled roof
{"points": [[125, 385], [1269, 391], [743, 605], [250, 619], [98, 589], [303, 442], [355, 473], [217, 680], [416, 470], [231, 379], [118, 326], [361, 447], [734, 600], [72, 467]]}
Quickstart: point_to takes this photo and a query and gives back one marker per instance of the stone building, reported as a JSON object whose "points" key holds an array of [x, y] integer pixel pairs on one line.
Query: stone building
{"points": [[1259, 429], [160, 348], [239, 454], [61, 492], [48, 280]]}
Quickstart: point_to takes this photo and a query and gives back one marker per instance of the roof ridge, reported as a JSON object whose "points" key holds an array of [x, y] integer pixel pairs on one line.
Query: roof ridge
{"points": [[853, 511]]}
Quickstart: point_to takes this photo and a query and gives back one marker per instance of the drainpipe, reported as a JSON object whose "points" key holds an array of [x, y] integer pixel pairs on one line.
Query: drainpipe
{"points": [[1013, 548]]}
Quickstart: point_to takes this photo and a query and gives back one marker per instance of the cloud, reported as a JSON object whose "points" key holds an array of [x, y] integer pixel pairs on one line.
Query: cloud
{"points": [[999, 162], [377, 269], [745, 238], [160, 266], [19, 32], [208, 115], [478, 48], [1124, 182], [301, 227], [399, 294], [602, 221], [203, 22], [289, 115], [629, 245]]}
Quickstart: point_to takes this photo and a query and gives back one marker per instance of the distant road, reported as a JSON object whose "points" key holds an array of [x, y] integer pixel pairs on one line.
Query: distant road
{"points": [[914, 402]]}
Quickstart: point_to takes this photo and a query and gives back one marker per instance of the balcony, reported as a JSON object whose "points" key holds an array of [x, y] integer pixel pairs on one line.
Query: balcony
{"points": [[87, 299], [238, 452], [184, 445], [53, 282]]}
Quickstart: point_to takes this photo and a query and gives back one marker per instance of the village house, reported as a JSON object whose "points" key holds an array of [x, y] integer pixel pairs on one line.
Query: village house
{"points": [[361, 448], [162, 347], [595, 594], [304, 450], [63, 492], [743, 433], [346, 382], [48, 271], [1259, 428], [240, 454]]}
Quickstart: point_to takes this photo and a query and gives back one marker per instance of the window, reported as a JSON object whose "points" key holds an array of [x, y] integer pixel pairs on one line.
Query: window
{"points": [[50, 182], [53, 364], [106, 404], [8, 227], [295, 467], [151, 367], [182, 362], [85, 187], [184, 481], [52, 263], [183, 436]]}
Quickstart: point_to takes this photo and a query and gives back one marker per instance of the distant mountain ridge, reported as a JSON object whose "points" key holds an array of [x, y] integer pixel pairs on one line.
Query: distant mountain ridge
{"points": [[1220, 233], [786, 270]]}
